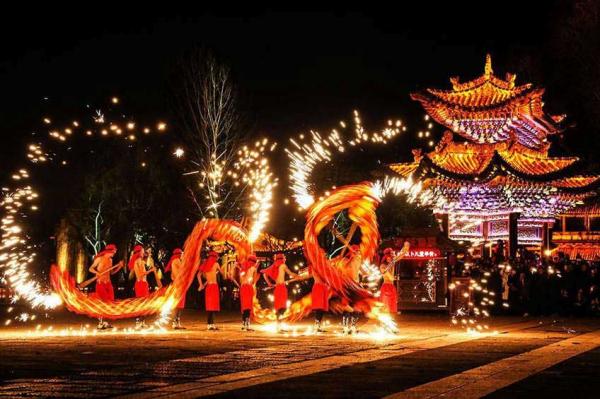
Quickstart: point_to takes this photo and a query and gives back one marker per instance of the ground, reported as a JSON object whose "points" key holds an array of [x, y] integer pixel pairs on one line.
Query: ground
{"points": [[526, 357]]}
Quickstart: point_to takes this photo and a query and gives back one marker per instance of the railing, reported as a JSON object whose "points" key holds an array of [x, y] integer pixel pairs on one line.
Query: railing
{"points": [[569, 236]]}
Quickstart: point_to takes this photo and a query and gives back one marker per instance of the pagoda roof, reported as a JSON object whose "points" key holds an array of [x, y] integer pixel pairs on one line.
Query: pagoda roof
{"points": [[489, 109], [484, 161]]}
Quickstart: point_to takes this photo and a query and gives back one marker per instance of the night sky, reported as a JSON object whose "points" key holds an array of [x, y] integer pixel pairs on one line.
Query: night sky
{"points": [[295, 70]]}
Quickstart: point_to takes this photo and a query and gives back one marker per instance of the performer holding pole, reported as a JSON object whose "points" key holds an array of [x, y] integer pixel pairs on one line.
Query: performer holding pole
{"points": [[138, 265], [248, 274], [277, 273], [389, 296], [212, 303], [103, 268], [174, 266], [319, 299]]}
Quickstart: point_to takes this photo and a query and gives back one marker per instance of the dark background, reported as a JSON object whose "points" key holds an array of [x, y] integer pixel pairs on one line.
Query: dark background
{"points": [[295, 70]]}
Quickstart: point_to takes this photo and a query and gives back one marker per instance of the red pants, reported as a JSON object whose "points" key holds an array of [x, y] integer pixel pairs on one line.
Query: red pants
{"points": [[281, 296], [246, 296], [389, 297], [212, 297], [320, 297], [141, 289], [105, 291]]}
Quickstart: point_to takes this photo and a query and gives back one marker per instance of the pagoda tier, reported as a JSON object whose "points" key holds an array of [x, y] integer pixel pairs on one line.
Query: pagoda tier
{"points": [[503, 177], [491, 110]]}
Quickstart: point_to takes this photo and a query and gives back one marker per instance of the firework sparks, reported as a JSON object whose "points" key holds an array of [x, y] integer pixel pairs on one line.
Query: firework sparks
{"points": [[305, 156], [256, 175], [16, 251]]}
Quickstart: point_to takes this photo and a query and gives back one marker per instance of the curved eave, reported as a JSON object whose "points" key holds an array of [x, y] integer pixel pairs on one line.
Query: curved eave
{"points": [[427, 98], [489, 93], [426, 169]]}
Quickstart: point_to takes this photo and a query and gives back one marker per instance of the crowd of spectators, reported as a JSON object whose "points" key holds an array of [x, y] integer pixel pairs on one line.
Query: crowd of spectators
{"points": [[536, 285]]}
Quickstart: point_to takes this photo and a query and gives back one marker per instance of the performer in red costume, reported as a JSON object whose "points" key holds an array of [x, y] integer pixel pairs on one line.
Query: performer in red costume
{"points": [[141, 288], [388, 295], [103, 268], [174, 266], [247, 282], [209, 269], [319, 299], [276, 273]]}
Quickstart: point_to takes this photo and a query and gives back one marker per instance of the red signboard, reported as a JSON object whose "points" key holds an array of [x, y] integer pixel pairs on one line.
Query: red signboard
{"points": [[423, 253]]}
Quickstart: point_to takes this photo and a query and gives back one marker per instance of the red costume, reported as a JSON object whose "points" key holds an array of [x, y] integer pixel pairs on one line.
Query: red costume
{"points": [[141, 289], [281, 295], [247, 290], [319, 294], [320, 297], [211, 290], [212, 297], [105, 291], [389, 297], [246, 296]]}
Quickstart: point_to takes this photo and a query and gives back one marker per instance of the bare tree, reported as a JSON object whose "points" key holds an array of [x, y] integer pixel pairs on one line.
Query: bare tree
{"points": [[208, 107]]}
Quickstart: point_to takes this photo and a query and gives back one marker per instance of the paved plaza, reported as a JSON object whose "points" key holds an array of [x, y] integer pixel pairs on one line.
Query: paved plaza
{"points": [[430, 358]]}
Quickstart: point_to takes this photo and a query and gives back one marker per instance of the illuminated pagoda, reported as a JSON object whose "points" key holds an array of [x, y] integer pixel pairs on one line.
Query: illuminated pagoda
{"points": [[498, 182]]}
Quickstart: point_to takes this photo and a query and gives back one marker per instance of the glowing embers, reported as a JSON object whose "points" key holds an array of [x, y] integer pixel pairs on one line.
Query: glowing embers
{"points": [[476, 301]]}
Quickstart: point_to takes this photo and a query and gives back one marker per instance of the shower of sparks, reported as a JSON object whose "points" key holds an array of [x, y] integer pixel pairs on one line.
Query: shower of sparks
{"points": [[472, 315], [17, 253], [254, 171], [305, 156], [249, 175]]}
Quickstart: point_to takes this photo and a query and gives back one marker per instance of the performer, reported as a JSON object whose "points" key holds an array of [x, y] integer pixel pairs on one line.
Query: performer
{"points": [[103, 268], [138, 265], [175, 265], [319, 299], [388, 295], [209, 270], [350, 316], [277, 273], [248, 280]]}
